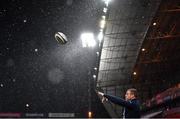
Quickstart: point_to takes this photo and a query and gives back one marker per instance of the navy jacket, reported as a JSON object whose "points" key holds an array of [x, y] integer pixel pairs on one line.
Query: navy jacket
{"points": [[131, 108]]}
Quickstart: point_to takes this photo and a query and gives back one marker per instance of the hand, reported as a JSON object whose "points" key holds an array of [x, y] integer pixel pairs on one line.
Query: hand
{"points": [[100, 93], [104, 99]]}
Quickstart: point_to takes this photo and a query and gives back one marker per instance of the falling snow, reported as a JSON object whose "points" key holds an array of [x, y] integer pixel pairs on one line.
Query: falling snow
{"points": [[27, 105], [37, 74], [69, 2], [36, 50], [55, 76], [1, 85], [24, 20], [10, 63]]}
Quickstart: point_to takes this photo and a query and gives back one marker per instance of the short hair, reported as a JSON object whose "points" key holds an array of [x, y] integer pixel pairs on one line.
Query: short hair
{"points": [[133, 91]]}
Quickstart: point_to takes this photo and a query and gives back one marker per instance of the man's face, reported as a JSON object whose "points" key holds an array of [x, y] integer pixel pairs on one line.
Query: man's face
{"points": [[128, 95]]}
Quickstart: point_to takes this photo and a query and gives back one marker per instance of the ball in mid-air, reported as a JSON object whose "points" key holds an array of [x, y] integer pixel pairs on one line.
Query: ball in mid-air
{"points": [[61, 38]]}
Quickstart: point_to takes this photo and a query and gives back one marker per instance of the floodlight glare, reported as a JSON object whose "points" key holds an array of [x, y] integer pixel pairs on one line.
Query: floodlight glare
{"points": [[154, 24], [106, 2], [134, 73], [89, 114], [94, 76], [105, 10], [104, 17], [102, 23], [100, 36], [88, 40]]}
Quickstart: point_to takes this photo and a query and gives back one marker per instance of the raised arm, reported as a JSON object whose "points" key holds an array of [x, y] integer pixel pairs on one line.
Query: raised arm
{"points": [[120, 101]]}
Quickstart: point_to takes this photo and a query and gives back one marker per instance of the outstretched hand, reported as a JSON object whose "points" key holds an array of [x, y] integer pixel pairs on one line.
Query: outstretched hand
{"points": [[100, 93], [104, 98]]}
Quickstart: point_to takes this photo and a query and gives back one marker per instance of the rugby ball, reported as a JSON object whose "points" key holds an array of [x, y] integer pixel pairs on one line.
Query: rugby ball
{"points": [[60, 38]]}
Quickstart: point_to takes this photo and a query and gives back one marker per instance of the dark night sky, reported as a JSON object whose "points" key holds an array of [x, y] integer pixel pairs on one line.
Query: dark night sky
{"points": [[34, 69]]}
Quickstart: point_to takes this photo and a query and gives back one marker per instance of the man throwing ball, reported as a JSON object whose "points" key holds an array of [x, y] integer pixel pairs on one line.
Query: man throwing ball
{"points": [[131, 103]]}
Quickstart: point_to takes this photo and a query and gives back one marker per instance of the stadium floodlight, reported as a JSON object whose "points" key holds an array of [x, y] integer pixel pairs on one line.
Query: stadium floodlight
{"points": [[88, 40], [100, 36], [106, 2]]}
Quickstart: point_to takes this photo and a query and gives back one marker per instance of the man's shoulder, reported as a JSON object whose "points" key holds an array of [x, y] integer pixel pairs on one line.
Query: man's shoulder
{"points": [[135, 101]]}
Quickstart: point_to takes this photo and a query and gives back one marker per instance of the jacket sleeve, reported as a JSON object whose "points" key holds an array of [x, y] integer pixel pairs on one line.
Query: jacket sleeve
{"points": [[120, 101]]}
